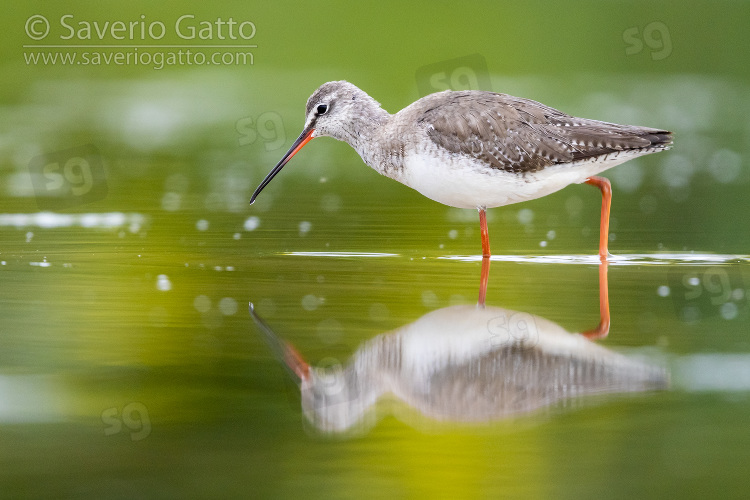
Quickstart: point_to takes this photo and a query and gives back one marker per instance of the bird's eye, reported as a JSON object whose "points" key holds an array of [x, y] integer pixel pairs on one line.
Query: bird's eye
{"points": [[322, 109]]}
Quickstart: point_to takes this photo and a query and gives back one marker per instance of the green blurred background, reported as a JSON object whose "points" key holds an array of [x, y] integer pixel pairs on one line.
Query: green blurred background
{"points": [[128, 364]]}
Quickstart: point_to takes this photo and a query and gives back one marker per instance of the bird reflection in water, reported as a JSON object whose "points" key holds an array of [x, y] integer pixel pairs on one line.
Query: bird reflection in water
{"points": [[466, 363]]}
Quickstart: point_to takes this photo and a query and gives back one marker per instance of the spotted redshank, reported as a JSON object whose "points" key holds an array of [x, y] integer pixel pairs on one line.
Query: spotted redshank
{"points": [[475, 149], [462, 364]]}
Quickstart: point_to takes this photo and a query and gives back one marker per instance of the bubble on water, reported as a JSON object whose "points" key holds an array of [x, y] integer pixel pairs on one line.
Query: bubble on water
{"points": [[525, 216], [429, 299], [202, 303], [163, 283], [135, 225], [456, 299], [453, 234], [628, 177], [542, 244], [677, 170], [252, 223], [694, 281], [171, 201], [725, 165], [330, 202], [29, 236], [237, 236], [738, 294], [201, 225], [228, 306], [304, 227], [311, 302], [551, 235], [728, 310], [663, 291]]}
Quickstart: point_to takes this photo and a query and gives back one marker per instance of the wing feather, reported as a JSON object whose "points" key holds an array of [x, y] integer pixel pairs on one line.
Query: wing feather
{"points": [[521, 135]]}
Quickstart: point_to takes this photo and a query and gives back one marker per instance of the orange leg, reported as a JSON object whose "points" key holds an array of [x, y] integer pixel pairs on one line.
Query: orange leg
{"points": [[485, 233], [606, 188], [602, 330], [483, 280]]}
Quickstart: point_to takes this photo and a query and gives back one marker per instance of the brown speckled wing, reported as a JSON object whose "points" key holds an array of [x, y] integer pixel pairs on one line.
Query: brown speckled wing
{"points": [[520, 135]]}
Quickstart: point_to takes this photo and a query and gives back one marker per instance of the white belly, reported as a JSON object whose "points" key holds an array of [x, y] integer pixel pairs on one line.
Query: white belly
{"points": [[466, 183]]}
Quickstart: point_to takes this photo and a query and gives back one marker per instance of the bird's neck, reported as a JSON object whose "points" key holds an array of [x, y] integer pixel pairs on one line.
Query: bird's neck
{"points": [[368, 135]]}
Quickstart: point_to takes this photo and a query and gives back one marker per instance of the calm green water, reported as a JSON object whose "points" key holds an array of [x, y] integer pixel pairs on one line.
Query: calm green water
{"points": [[130, 366]]}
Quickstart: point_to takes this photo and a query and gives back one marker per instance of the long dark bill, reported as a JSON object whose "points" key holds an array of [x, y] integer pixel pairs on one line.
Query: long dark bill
{"points": [[303, 139]]}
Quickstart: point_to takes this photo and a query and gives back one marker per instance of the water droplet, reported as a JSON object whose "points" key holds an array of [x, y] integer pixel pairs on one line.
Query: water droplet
{"points": [[525, 216], [228, 306], [725, 165], [252, 223], [202, 303], [162, 283], [171, 202], [330, 202], [311, 302], [429, 299], [728, 310]]}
